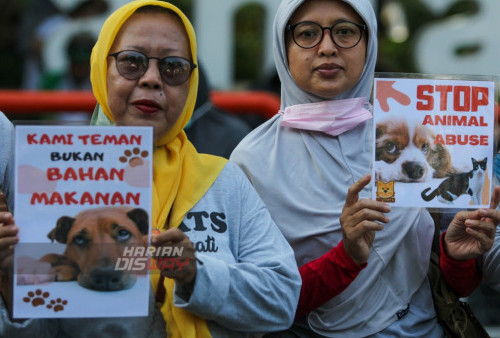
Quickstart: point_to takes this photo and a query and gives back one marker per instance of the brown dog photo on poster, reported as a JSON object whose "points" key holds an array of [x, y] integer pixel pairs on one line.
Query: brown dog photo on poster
{"points": [[94, 240], [407, 152]]}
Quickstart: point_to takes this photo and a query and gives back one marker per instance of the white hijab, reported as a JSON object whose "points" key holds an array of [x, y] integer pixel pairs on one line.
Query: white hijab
{"points": [[303, 177], [291, 94]]}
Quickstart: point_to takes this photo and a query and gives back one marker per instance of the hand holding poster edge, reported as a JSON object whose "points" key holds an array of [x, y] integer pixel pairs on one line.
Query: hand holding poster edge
{"points": [[424, 103]]}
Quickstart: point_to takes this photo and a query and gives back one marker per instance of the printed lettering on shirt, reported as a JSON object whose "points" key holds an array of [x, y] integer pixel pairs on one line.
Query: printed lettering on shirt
{"points": [[212, 223]]}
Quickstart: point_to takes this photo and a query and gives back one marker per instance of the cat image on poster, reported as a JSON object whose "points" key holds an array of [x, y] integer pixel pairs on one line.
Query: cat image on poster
{"points": [[455, 185]]}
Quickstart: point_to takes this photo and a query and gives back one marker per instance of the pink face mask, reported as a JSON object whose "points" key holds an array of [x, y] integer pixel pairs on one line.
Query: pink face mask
{"points": [[330, 117]]}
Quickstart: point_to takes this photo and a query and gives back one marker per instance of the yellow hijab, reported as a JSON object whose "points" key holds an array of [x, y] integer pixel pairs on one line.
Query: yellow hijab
{"points": [[181, 175]]}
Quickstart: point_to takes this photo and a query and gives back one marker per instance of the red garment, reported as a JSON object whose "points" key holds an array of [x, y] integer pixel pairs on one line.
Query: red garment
{"points": [[325, 277], [329, 275], [462, 277]]}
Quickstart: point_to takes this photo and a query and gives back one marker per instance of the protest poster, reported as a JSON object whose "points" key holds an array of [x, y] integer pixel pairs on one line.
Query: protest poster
{"points": [[83, 199], [434, 140]]}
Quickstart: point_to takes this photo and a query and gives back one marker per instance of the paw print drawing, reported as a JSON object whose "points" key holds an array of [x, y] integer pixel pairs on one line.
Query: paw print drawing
{"points": [[134, 157], [57, 304], [36, 180], [137, 171], [36, 298]]}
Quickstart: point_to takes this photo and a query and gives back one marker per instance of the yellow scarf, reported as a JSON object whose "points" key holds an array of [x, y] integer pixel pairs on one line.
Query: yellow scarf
{"points": [[181, 175]]}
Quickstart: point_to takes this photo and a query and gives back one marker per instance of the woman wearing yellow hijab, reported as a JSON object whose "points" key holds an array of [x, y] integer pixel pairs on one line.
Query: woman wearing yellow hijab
{"points": [[244, 277], [241, 277]]}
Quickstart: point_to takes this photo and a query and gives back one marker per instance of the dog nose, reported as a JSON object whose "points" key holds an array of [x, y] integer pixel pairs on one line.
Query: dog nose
{"points": [[106, 279], [414, 170]]}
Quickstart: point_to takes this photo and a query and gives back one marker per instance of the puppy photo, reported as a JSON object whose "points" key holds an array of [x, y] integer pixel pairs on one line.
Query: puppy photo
{"points": [[406, 152], [94, 239]]}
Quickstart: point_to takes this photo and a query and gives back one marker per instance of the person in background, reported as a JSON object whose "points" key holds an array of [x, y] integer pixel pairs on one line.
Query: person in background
{"points": [[363, 264], [42, 19], [144, 73], [76, 76], [212, 130]]}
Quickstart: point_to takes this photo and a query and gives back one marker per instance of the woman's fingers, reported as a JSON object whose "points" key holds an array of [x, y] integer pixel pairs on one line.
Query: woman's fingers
{"points": [[184, 273], [8, 262], [487, 227], [4, 253], [8, 236], [371, 210], [355, 189], [366, 218], [360, 219], [362, 215], [484, 240], [171, 236], [492, 214], [495, 197], [360, 229], [6, 218]]}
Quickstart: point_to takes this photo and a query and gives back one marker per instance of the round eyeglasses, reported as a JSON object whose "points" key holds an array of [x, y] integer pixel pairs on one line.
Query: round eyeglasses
{"points": [[174, 70], [308, 34]]}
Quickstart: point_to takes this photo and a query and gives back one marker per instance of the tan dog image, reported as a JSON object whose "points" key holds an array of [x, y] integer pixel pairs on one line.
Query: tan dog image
{"points": [[407, 153], [94, 239]]}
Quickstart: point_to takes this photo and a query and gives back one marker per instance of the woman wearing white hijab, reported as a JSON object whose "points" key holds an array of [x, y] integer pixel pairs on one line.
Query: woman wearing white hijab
{"points": [[303, 161]]}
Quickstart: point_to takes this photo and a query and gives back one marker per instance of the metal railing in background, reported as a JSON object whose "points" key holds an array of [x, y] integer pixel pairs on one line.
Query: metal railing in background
{"points": [[27, 102], [14, 102]]}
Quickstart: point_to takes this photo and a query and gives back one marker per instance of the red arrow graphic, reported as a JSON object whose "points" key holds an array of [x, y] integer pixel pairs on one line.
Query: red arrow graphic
{"points": [[385, 91]]}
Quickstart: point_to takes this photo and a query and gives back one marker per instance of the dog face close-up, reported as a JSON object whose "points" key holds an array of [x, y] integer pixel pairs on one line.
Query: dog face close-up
{"points": [[407, 153], [95, 239]]}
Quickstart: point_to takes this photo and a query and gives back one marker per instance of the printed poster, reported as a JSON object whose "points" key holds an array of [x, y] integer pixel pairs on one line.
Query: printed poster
{"points": [[433, 140], [83, 202]]}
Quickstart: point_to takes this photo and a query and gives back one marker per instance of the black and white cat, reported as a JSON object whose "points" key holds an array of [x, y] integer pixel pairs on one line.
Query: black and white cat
{"points": [[455, 185]]}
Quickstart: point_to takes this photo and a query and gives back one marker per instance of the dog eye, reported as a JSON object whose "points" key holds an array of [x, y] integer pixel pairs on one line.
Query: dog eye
{"points": [[390, 148], [123, 235], [80, 240], [425, 148]]}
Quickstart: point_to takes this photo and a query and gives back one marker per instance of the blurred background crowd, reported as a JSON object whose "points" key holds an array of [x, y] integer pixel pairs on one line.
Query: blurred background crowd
{"points": [[46, 45]]}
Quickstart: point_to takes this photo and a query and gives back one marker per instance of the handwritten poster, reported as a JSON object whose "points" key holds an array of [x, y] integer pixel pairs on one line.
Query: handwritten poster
{"points": [[433, 140], [83, 200]]}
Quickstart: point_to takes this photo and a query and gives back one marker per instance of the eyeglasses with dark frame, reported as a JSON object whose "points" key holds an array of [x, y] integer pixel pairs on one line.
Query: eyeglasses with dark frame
{"points": [[344, 34], [132, 65]]}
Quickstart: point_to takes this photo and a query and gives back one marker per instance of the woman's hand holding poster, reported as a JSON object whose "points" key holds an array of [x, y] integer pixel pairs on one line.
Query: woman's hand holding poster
{"points": [[434, 140]]}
